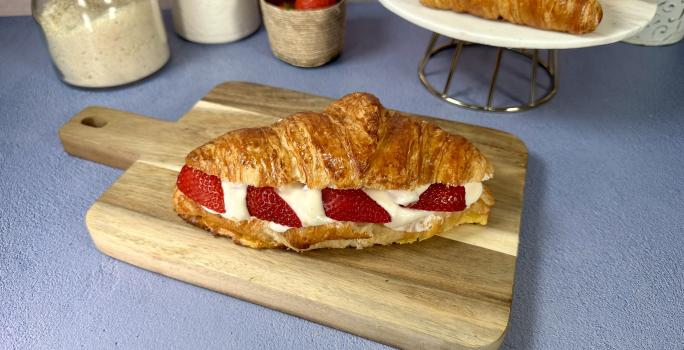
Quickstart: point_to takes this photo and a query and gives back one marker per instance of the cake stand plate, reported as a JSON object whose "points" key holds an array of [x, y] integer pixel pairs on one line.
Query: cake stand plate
{"points": [[621, 19]]}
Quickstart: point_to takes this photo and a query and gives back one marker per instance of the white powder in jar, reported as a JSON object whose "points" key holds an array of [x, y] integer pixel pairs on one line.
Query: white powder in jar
{"points": [[98, 45]]}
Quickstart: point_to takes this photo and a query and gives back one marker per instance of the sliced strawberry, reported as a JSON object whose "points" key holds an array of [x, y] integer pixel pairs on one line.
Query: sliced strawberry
{"points": [[266, 204], [441, 197], [353, 205], [203, 188]]}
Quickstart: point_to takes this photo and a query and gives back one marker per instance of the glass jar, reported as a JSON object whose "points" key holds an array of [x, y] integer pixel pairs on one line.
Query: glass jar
{"points": [[103, 43]]}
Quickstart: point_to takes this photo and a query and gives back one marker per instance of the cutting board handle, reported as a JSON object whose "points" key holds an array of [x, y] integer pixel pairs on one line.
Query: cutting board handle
{"points": [[110, 136]]}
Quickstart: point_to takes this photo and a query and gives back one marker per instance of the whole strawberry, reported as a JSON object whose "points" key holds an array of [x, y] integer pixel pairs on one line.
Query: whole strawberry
{"points": [[313, 4]]}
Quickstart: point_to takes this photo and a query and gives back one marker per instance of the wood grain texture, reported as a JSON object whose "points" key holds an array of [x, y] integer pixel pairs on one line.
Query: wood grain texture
{"points": [[451, 291]]}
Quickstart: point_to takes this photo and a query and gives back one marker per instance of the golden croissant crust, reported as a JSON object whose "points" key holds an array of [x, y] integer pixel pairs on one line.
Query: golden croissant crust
{"points": [[355, 143], [572, 16]]}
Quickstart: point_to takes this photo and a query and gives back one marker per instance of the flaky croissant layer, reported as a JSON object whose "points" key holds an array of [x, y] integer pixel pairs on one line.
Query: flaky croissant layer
{"points": [[354, 143]]}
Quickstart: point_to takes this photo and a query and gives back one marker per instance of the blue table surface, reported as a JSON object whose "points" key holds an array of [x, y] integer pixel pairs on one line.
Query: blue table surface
{"points": [[601, 247]]}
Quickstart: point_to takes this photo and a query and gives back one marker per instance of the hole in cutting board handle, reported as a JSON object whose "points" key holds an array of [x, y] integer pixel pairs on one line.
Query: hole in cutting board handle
{"points": [[93, 122]]}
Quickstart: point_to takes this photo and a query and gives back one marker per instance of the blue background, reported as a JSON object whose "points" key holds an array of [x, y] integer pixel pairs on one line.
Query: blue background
{"points": [[600, 262]]}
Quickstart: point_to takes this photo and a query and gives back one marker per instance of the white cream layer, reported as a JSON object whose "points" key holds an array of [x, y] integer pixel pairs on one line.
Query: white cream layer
{"points": [[414, 220], [235, 201], [307, 203], [405, 197]]}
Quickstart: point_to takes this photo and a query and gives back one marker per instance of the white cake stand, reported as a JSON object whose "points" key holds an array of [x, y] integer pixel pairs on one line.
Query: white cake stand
{"points": [[621, 19]]}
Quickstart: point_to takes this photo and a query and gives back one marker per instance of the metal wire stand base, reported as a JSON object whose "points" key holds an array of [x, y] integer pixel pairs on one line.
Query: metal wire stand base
{"points": [[550, 67]]}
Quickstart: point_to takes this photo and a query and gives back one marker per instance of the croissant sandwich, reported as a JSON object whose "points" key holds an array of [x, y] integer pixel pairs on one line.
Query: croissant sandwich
{"points": [[572, 16], [353, 176]]}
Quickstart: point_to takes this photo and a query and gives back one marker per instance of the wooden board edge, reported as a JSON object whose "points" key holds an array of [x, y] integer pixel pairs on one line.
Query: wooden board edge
{"points": [[108, 136], [290, 304]]}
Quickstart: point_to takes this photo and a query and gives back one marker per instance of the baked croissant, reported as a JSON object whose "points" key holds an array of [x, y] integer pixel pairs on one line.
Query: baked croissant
{"points": [[355, 175], [572, 16]]}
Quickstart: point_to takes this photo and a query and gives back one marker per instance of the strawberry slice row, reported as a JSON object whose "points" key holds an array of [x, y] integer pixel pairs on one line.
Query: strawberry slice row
{"points": [[339, 204]]}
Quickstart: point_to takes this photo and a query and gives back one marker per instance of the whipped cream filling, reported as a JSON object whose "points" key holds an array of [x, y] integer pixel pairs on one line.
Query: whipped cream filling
{"points": [[278, 227], [235, 201], [473, 192], [405, 197], [307, 203], [414, 220], [403, 219]]}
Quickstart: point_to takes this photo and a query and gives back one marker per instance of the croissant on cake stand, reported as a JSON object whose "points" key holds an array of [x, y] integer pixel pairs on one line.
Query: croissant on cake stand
{"points": [[572, 16]]}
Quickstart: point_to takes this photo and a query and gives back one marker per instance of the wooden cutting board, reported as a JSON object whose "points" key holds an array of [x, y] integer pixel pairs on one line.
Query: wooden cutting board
{"points": [[451, 291]]}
